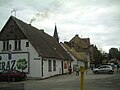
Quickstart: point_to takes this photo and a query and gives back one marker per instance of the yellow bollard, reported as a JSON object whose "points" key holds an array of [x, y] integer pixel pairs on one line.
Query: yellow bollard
{"points": [[82, 77]]}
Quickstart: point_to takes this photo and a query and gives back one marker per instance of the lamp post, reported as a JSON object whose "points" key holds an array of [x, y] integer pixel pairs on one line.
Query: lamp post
{"points": [[82, 69], [9, 58]]}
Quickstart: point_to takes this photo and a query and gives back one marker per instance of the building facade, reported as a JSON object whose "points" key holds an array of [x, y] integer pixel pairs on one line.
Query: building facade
{"points": [[78, 49], [28, 49]]}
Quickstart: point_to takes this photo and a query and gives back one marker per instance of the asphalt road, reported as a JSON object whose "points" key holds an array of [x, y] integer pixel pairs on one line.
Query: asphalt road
{"points": [[103, 83], [68, 82]]}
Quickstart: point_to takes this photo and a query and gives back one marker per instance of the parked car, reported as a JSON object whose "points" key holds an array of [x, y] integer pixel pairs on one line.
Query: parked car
{"points": [[12, 75], [103, 69]]}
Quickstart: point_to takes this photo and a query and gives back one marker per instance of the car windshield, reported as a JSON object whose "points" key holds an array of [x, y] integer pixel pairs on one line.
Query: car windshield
{"points": [[103, 67]]}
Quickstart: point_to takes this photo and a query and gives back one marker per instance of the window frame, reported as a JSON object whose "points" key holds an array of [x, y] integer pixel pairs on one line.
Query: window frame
{"points": [[5, 45], [17, 44], [49, 66], [54, 65], [27, 44]]}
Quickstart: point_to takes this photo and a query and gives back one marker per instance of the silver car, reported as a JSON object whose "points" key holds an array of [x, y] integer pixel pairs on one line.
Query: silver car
{"points": [[103, 69]]}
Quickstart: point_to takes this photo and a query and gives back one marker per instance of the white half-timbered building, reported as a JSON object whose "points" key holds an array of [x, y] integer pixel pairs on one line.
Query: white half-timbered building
{"points": [[31, 50]]}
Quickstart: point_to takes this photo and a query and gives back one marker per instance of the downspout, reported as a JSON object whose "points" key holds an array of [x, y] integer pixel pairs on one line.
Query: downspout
{"points": [[42, 66]]}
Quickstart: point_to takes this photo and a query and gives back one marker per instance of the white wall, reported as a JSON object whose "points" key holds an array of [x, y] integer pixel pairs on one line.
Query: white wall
{"points": [[81, 63], [88, 59], [35, 61], [67, 66], [1, 46], [34, 64], [47, 73]]}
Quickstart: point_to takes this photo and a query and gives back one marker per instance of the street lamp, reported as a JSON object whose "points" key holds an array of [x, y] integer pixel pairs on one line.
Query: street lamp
{"points": [[9, 58]]}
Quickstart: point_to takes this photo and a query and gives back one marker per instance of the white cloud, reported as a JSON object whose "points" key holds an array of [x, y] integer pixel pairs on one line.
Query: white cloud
{"points": [[99, 20]]}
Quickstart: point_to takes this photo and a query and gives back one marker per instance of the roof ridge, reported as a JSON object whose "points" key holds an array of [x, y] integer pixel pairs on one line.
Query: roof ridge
{"points": [[43, 43]]}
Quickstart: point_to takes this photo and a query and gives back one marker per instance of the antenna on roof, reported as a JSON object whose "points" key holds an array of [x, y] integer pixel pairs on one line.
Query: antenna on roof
{"points": [[14, 10]]}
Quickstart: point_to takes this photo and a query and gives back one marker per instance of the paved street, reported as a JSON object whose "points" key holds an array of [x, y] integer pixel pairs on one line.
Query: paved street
{"points": [[68, 82]]}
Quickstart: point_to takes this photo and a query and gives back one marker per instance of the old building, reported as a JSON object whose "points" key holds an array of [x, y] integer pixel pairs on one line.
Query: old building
{"points": [[78, 48], [56, 34], [31, 50]]}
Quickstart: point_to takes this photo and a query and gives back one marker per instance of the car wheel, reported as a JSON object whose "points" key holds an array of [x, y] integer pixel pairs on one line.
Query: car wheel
{"points": [[110, 72], [96, 72], [13, 79]]}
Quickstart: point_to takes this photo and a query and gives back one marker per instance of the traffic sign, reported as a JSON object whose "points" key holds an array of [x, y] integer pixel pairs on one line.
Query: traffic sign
{"points": [[9, 55], [0, 57]]}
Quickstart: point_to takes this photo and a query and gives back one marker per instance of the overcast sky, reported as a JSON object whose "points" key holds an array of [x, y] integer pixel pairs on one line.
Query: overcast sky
{"points": [[98, 20]]}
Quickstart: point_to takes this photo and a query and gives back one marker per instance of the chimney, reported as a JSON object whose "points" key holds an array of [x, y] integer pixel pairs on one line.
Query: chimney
{"points": [[77, 35], [41, 30]]}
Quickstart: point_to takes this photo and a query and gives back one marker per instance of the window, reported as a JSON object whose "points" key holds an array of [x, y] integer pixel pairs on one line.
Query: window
{"points": [[17, 44], [103, 67], [54, 65], [49, 65], [5, 45], [27, 44], [107, 66], [65, 65]]}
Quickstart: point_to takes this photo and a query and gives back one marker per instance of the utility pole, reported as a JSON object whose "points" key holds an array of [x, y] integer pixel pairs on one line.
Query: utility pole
{"points": [[9, 58], [82, 69]]}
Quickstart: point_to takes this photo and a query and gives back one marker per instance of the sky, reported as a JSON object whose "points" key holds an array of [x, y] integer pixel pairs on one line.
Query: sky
{"points": [[98, 20]]}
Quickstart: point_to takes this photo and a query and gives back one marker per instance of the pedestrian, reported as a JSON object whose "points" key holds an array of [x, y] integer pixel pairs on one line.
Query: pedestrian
{"points": [[91, 67], [117, 67], [86, 70], [77, 70], [70, 70]]}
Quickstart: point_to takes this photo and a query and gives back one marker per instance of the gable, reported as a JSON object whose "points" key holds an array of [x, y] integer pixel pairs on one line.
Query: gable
{"points": [[78, 55], [78, 42], [44, 44], [11, 31], [87, 41]]}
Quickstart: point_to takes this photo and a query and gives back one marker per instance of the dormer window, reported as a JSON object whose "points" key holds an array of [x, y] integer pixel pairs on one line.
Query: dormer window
{"points": [[17, 45]]}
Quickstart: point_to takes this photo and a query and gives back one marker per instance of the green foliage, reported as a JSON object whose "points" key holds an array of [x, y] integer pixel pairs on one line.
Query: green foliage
{"points": [[114, 53], [97, 55]]}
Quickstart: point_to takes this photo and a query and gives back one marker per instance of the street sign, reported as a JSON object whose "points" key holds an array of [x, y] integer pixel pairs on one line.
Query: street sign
{"points": [[0, 57], [9, 55]]}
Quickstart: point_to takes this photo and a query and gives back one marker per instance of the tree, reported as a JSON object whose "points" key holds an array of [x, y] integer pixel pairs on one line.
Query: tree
{"points": [[114, 53], [97, 55]]}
